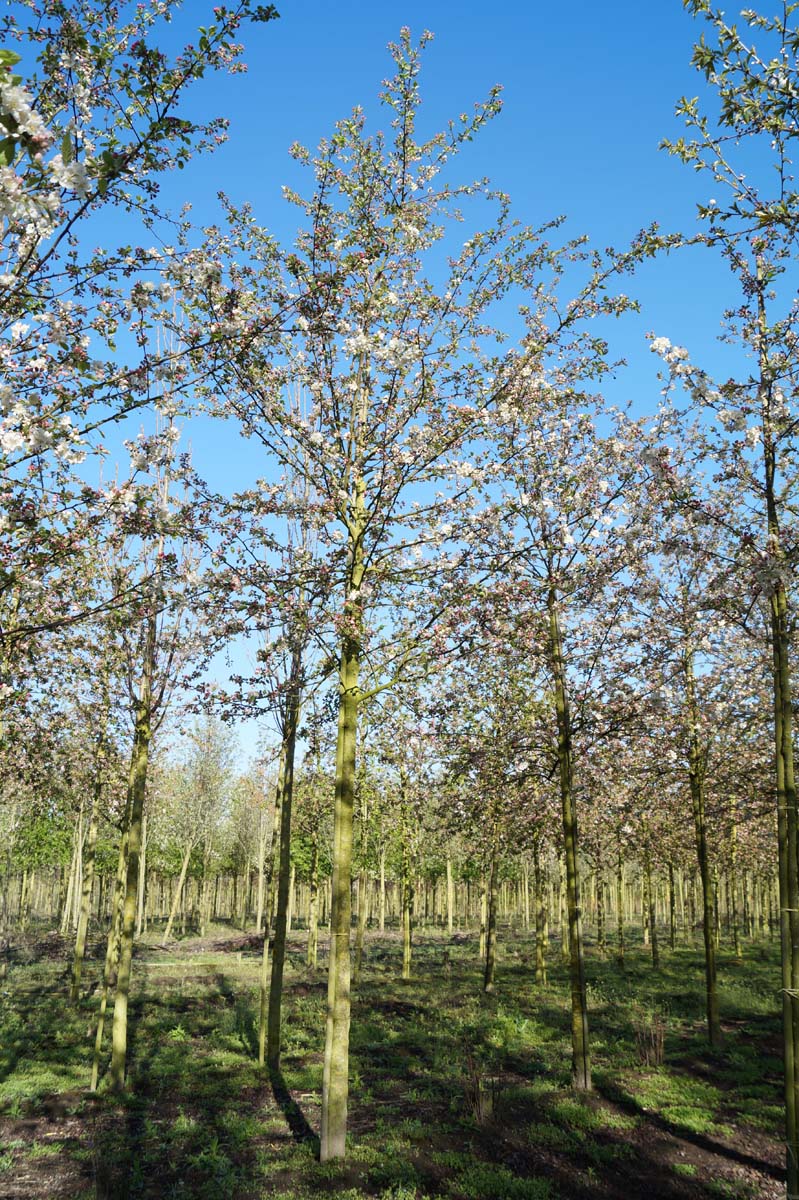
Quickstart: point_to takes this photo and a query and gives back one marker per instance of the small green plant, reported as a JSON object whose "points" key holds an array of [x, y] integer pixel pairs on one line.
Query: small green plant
{"points": [[649, 1027], [487, 1181], [574, 1113]]}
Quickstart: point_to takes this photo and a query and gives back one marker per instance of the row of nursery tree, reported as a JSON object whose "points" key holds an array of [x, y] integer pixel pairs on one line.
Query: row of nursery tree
{"points": [[525, 652], [209, 855]]}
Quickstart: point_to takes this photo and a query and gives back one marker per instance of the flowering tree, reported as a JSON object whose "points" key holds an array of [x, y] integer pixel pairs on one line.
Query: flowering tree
{"points": [[561, 537], [88, 127], [751, 417], [154, 640], [398, 364]]}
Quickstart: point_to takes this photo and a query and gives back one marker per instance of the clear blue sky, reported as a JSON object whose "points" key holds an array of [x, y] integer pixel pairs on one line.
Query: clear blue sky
{"points": [[589, 91]]}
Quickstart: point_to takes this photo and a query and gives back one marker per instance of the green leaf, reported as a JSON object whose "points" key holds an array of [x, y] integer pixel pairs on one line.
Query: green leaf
{"points": [[9, 58], [67, 149], [8, 147]]}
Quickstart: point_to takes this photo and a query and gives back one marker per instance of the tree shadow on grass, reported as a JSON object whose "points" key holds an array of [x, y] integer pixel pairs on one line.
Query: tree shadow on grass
{"points": [[246, 1029], [296, 1120], [617, 1095], [190, 1123]]}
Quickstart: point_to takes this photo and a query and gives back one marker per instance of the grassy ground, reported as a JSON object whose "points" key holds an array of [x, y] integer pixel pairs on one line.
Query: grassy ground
{"points": [[453, 1094]]}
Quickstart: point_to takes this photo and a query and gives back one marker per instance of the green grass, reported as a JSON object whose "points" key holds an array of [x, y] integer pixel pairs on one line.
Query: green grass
{"points": [[488, 1182], [202, 1120], [689, 1103]]}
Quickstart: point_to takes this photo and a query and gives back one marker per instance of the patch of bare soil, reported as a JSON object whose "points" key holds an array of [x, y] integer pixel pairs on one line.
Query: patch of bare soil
{"points": [[42, 1148]]}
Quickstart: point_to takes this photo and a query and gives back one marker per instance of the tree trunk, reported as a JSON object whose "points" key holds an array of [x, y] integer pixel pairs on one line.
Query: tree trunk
{"points": [[581, 1064], [286, 872], [491, 924], [562, 911], [651, 908], [483, 916], [184, 868], [360, 926], [142, 879], [382, 889], [732, 893], [88, 872], [274, 854], [335, 1081], [540, 916], [406, 880], [292, 898], [259, 914], [72, 885], [313, 904], [137, 783], [450, 896], [600, 915], [788, 879], [112, 946], [696, 776]]}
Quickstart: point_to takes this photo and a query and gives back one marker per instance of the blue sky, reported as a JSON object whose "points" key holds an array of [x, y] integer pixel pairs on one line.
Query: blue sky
{"points": [[589, 91]]}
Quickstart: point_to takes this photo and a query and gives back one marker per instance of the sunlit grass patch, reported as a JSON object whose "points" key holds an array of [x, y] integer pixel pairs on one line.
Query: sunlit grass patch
{"points": [[575, 1113], [682, 1100], [50, 1149], [488, 1181], [26, 1086]]}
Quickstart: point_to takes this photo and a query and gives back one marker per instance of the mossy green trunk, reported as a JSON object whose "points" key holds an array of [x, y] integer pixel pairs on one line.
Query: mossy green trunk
{"points": [[137, 785], [141, 896], [450, 896], [313, 903], [581, 1062], [696, 777], [788, 881], [539, 911], [274, 851], [335, 1081], [491, 923], [563, 909], [89, 853], [285, 875], [483, 916], [112, 946]]}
